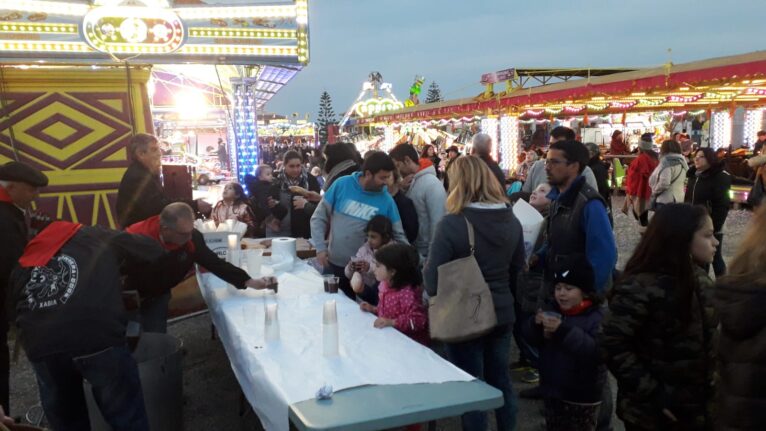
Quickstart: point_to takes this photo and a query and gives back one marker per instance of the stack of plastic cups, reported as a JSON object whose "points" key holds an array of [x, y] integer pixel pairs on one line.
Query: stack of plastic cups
{"points": [[233, 255], [230, 224], [330, 346], [272, 323], [254, 260]]}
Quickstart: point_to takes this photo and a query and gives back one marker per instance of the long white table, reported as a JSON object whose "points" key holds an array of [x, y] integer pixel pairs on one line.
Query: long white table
{"points": [[280, 379]]}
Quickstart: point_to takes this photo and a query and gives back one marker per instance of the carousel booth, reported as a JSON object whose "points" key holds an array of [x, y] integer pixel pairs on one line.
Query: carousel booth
{"points": [[76, 75], [75, 83], [377, 98]]}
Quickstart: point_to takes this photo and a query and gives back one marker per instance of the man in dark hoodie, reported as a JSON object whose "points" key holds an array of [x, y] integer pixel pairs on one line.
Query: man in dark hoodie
{"points": [[67, 297]]}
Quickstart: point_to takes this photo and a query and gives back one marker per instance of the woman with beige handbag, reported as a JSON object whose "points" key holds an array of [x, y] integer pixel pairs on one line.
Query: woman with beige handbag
{"points": [[475, 255]]}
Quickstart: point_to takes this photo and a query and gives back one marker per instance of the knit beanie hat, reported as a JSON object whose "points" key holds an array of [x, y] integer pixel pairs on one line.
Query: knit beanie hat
{"points": [[576, 272], [646, 143]]}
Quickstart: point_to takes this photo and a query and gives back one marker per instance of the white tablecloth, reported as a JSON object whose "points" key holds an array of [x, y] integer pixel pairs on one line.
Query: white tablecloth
{"points": [[277, 374]]}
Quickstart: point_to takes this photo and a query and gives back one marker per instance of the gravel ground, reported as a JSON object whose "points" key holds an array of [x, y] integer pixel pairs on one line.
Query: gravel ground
{"points": [[211, 393]]}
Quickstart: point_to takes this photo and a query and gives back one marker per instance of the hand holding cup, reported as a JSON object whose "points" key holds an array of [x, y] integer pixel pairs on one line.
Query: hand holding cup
{"points": [[551, 322]]}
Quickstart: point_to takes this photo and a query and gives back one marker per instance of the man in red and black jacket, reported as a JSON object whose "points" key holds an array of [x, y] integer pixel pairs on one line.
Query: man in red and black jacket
{"points": [[66, 295], [174, 230]]}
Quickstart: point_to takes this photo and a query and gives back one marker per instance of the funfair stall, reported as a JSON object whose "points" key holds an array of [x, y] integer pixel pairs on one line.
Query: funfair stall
{"points": [[74, 80], [728, 94]]}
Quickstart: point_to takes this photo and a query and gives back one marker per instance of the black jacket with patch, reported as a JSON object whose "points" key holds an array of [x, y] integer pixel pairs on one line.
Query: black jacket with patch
{"points": [[74, 305]]}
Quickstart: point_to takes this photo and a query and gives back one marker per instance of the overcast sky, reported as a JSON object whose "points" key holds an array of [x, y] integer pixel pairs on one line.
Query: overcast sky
{"points": [[453, 42]]}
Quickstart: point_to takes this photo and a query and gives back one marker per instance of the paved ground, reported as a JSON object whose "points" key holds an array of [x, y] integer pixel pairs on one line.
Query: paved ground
{"points": [[211, 394]]}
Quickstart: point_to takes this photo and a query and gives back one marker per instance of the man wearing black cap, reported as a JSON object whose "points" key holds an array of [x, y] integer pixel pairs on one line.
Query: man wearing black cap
{"points": [[19, 186]]}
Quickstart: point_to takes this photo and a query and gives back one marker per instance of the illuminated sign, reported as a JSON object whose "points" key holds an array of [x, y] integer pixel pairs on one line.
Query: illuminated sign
{"points": [[376, 106], [495, 77], [154, 32], [133, 30]]}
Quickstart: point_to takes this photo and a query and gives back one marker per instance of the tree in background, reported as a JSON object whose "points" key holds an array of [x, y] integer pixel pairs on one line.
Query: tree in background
{"points": [[434, 93], [326, 116]]}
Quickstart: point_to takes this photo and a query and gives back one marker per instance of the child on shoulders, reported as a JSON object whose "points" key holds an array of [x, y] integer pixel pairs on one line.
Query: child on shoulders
{"points": [[259, 187]]}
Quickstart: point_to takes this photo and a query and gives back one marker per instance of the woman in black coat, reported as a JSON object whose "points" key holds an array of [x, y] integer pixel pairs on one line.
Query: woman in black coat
{"points": [[709, 186], [740, 299]]}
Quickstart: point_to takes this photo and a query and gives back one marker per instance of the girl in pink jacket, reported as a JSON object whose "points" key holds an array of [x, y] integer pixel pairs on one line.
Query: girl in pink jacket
{"points": [[400, 298]]}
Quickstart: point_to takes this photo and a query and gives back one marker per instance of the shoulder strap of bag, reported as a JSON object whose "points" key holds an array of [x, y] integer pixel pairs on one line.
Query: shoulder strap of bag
{"points": [[471, 241], [671, 169], [679, 174]]}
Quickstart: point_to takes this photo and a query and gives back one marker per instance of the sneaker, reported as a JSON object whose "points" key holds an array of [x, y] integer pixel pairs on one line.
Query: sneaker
{"points": [[531, 376], [520, 365], [535, 393]]}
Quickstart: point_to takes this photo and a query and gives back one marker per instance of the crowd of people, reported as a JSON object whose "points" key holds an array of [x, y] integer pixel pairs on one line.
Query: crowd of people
{"points": [[385, 224]]}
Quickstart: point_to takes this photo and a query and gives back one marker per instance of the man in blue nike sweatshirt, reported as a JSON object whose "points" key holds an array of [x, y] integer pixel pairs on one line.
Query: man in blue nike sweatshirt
{"points": [[345, 210]]}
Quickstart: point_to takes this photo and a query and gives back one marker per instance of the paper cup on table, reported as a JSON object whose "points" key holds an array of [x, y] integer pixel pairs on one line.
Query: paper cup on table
{"points": [[272, 323], [330, 342], [531, 222], [254, 260]]}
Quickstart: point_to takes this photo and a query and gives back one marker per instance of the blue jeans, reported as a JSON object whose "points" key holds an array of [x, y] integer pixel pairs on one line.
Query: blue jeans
{"points": [[113, 375], [487, 358]]}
